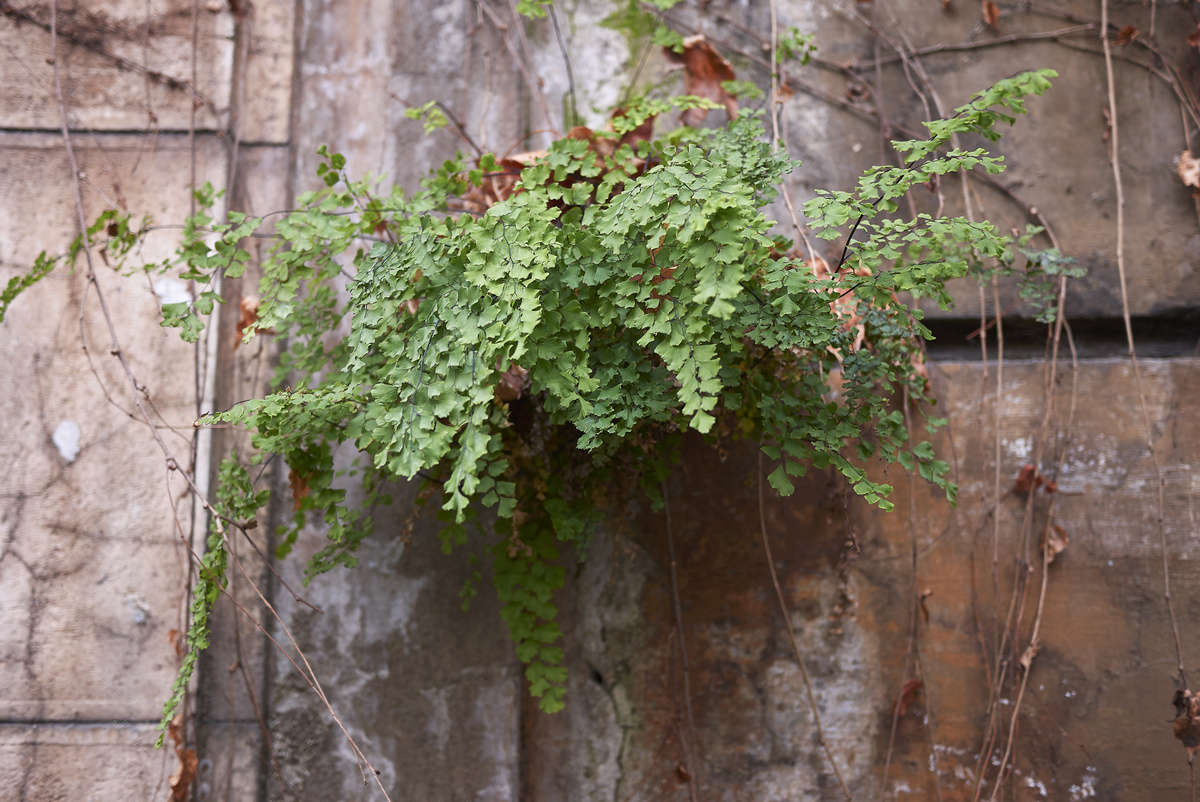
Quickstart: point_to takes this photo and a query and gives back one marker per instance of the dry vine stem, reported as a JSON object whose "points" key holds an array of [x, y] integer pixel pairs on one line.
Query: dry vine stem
{"points": [[138, 390], [787, 622], [1114, 144], [689, 741], [1031, 650]]}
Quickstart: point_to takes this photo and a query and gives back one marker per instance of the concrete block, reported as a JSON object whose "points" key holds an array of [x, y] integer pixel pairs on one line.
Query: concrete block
{"points": [[88, 762], [92, 572], [124, 66]]}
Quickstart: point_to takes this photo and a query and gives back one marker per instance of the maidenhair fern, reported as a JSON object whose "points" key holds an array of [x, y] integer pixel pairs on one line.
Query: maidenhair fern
{"points": [[521, 333]]}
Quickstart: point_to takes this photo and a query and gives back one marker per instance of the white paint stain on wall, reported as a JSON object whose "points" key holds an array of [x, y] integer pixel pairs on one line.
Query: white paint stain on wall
{"points": [[66, 439], [172, 291], [1086, 789]]}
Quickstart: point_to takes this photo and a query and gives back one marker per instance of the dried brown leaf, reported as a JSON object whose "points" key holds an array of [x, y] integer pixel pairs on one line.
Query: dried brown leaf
{"points": [[908, 696], [1189, 169], [1054, 542], [1030, 652], [299, 487], [643, 133], [704, 71], [181, 781], [1187, 720], [1194, 37], [176, 642], [249, 316], [1126, 35], [513, 384], [991, 15], [1028, 479]]}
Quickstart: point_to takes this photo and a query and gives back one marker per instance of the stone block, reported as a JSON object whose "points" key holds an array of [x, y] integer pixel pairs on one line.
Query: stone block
{"points": [[93, 570], [87, 762], [124, 66]]}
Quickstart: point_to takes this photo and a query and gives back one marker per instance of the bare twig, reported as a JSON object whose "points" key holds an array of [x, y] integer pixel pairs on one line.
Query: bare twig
{"points": [[775, 141], [562, 48], [913, 652], [137, 388], [1137, 373], [535, 90], [458, 126], [1015, 38], [690, 739], [787, 622], [1034, 642]]}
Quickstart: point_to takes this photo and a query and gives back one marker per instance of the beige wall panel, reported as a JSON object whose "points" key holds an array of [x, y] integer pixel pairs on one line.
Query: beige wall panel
{"points": [[84, 762], [92, 569], [265, 80], [124, 66]]}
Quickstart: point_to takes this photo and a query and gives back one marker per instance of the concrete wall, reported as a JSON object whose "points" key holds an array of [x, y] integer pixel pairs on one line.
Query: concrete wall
{"points": [[93, 569]]}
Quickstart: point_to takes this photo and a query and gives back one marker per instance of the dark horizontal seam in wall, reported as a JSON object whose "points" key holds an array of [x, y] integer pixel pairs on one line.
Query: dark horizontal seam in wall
{"points": [[1170, 335], [88, 722], [162, 133]]}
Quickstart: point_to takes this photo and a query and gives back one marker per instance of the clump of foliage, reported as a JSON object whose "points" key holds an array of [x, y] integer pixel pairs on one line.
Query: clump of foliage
{"points": [[519, 332]]}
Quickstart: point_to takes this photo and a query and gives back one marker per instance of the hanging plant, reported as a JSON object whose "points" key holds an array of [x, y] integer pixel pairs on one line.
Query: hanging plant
{"points": [[523, 331]]}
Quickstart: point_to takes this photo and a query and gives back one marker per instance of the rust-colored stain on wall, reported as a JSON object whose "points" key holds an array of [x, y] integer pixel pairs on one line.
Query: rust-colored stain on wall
{"points": [[1095, 717]]}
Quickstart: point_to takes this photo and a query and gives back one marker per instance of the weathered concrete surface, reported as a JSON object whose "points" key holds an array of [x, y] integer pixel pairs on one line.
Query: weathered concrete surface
{"points": [[93, 574], [1098, 707], [91, 557], [434, 695], [429, 692], [126, 66], [88, 762], [619, 737]]}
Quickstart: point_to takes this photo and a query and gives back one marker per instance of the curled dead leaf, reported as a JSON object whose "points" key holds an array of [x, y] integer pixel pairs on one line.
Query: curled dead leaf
{"points": [[1028, 479], [991, 15], [513, 383], [704, 71], [249, 316], [1030, 652], [643, 133], [925, 594], [1054, 542], [1187, 719], [176, 642], [1194, 37], [1126, 35], [299, 486], [908, 696], [1189, 169], [181, 781]]}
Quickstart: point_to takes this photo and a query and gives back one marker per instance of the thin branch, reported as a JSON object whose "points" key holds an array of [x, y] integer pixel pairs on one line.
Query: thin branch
{"points": [[458, 126], [135, 385], [787, 622], [535, 90], [562, 48], [689, 741], [1137, 373], [1000, 40]]}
